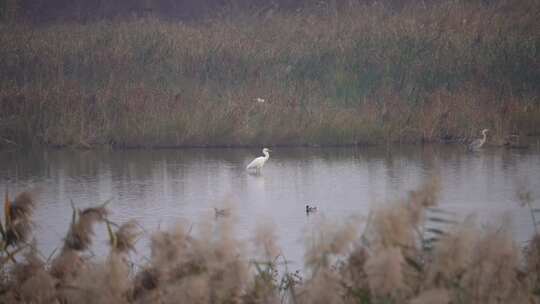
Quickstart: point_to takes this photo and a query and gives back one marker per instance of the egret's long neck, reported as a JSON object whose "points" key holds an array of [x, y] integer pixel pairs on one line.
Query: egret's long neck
{"points": [[266, 155], [484, 137]]}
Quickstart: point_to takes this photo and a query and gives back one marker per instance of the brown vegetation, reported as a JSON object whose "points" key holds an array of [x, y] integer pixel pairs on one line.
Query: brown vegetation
{"points": [[366, 74], [387, 261]]}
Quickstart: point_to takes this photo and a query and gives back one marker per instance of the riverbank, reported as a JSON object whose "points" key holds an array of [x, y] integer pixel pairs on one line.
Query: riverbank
{"points": [[367, 75]]}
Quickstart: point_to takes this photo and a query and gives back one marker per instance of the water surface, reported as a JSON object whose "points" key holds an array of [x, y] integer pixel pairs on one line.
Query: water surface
{"points": [[159, 188]]}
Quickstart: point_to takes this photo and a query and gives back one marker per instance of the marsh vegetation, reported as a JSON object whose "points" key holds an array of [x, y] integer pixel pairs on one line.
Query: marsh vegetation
{"points": [[362, 73], [410, 251]]}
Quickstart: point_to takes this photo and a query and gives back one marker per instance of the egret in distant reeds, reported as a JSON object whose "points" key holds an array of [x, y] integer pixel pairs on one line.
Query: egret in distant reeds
{"points": [[478, 143], [259, 162]]}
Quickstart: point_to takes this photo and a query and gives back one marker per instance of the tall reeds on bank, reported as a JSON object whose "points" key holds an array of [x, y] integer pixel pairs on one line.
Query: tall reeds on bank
{"points": [[382, 260], [367, 74]]}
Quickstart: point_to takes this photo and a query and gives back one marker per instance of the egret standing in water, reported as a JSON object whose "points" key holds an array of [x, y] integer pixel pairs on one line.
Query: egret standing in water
{"points": [[258, 162], [478, 143]]}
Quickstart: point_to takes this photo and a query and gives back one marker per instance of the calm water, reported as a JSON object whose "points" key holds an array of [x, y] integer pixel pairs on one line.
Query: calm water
{"points": [[162, 187]]}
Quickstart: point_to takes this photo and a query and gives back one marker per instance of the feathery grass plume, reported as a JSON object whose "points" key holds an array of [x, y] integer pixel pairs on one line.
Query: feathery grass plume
{"points": [[166, 250], [171, 259], [265, 241], [207, 267], [426, 196], [30, 280], [81, 231], [452, 255], [144, 284], [193, 290], [353, 274], [32, 263], [124, 238], [39, 288], [329, 240], [18, 218], [327, 244], [69, 263], [263, 286], [385, 273], [432, 296], [228, 267], [392, 226], [169, 246], [396, 227], [493, 272], [22, 207], [66, 266], [323, 287], [105, 282]]}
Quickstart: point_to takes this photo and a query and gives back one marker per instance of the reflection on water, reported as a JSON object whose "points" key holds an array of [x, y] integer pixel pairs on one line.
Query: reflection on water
{"points": [[162, 187]]}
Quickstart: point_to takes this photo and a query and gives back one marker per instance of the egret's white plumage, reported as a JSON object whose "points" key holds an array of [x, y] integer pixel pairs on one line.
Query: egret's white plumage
{"points": [[258, 162], [478, 143]]}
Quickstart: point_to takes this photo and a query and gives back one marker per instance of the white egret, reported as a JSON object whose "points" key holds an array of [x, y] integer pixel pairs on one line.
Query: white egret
{"points": [[310, 209], [258, 162], [478, 143]]}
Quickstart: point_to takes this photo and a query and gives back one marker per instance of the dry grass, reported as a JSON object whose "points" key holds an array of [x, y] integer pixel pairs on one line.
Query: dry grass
{"points": [[385, 262], [366, 74], [17, 223]]}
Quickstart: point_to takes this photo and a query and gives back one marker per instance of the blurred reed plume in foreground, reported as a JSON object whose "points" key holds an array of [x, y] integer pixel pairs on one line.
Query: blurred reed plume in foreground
{"points": [[408, 251]]}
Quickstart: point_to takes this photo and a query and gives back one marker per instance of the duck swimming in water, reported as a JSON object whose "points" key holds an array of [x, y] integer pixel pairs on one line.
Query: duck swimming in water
{"points": [[310, 209], [222, 212]]}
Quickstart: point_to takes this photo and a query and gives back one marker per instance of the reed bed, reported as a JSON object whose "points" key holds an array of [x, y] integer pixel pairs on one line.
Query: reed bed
{"points": [[409, 251], [365, 74]]}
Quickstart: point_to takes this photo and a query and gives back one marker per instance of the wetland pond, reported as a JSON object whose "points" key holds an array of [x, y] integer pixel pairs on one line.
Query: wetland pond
{"points": [[160, 188]]}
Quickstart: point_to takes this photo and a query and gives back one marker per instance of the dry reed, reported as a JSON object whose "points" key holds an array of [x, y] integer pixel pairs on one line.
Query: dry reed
{"points": [[384, 262], [365, 74]]}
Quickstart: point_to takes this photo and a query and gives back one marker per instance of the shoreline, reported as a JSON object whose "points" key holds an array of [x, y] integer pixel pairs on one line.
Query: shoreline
{"points": [[524, 146]]}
